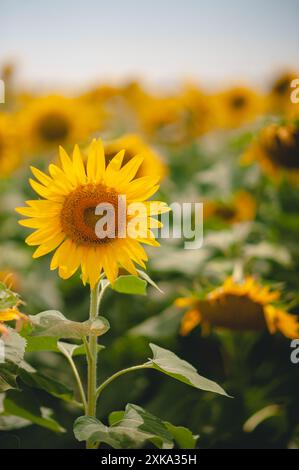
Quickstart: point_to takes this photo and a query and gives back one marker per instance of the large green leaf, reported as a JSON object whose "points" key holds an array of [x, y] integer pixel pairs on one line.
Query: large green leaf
{"points": [[46, 383], [54, 324], [167, 362], [131, 429], [130, 285], [25, 405]]}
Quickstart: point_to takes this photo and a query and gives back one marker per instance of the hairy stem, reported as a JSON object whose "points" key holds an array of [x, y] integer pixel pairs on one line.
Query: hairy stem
{"points": [[92, 360]]}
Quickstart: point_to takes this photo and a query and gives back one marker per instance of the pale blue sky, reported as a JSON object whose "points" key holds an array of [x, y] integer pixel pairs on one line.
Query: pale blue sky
{"points": [[72, 42]]}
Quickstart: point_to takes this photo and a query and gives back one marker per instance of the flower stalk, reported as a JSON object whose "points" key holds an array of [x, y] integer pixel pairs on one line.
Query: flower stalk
{"points": [[92, 359]]}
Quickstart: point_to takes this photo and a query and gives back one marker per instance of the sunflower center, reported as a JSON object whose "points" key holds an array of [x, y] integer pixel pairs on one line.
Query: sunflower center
{"points": [[225, 213], [282, 86], [79, 217], [236, 312], [238, 102], [284, 149], [53, 128]]}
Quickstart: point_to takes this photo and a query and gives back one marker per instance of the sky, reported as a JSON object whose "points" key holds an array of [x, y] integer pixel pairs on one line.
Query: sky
{"points": [[74, 43]]}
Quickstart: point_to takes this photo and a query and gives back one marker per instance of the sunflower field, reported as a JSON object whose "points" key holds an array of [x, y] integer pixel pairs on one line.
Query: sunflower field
{"points": [[218, 325]]}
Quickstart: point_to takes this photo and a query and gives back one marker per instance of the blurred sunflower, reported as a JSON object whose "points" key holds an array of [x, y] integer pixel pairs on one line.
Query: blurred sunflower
{"points": [[277, 151], [162, 118], [11, 314], [280, 91], [152, 164], [52, 120], [237, 106], [9, 303], [11, 279], [65, 219], [200, 111], [239, 306], [241, 208], [10, 156]]}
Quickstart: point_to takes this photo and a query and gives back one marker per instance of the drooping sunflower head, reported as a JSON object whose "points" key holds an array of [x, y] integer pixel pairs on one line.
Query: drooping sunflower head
{"points": [[152, 164], [237, 106], [277, 151], [241, 208], [94, 215], [239, 306], [53, 120], [10, 154]]}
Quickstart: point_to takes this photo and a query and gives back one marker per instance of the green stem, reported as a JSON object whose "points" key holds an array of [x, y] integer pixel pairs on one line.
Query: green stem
{"points": [[99, 390], [92, 359], [78, 380]]}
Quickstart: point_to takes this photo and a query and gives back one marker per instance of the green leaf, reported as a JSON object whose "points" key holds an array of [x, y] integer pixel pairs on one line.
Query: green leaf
{"points": [[26, 406], [14, 347], [167, 362], [53, 324], [52, 386], [49, 343], [182, 436], [132, 429], [8, 377], [130, 285]]}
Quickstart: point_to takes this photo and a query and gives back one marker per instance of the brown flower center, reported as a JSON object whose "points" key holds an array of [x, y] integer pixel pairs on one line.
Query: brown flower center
{"points": [[283, 150], [236, 312], [238, 101], [79, 219], [53, 128]]}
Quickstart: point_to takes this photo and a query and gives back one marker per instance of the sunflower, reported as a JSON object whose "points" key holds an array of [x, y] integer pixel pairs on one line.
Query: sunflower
{"points": [[240, 306], [11, 314], [200, 111], [241, 208], [162, 118], [10, 156], [237, 106], [277, 151], [152, 164], [280, 91], [65, 219], [52, 120]]}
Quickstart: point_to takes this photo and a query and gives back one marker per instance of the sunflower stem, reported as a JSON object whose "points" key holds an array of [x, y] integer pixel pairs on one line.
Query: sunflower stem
{"points": [[92, 360]]}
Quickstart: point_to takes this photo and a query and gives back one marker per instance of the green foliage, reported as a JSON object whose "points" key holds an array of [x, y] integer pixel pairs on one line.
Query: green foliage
{"points": [[133, 428]]}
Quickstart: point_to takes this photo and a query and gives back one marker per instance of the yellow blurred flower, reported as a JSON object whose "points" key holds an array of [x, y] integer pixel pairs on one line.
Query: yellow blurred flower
{"points": [[279, 97], [65, 219], [11, 314], [240, 306], [237, 106], [277, 151], [11, 279], [162, 118], [10, 156], [52, 120], [241, 208], [152, 164], [200, 111]]}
